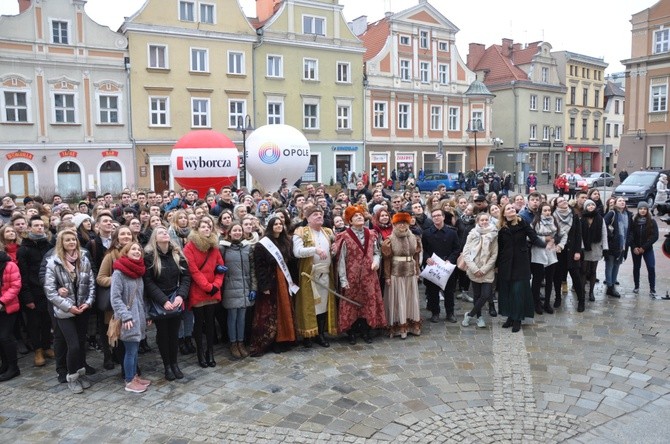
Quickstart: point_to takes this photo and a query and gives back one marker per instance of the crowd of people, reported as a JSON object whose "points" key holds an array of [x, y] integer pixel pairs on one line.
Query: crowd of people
{"points": [[298, 267]]}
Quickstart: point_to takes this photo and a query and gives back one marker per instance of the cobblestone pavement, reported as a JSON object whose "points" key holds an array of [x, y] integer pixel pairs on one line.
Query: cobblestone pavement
{"points": [[598, 376]]}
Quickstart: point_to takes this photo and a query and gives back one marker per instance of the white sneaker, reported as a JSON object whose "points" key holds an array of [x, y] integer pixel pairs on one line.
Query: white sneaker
{"points": [[467, 297], [441, 296], [466, 320], [480, 322], [652, 294]]}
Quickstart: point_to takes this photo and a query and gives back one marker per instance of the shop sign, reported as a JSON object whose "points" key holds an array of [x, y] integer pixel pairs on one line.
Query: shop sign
{"points": [[378, 158], [68, 153], [110, 153], [345, 148], [404, 157], [19, 155], [143, 171]]}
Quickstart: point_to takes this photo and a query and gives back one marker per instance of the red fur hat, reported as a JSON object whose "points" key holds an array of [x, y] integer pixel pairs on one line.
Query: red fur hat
{"points": [[351, 210], [401, 217]]}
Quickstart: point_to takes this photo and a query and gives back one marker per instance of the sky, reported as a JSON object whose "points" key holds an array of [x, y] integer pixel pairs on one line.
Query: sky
{"points": [[597, 28]]}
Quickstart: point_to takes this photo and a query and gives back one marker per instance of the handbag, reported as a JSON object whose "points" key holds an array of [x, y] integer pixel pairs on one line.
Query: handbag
{"points": [[157, 311], [114, 327], [460, 263], [610, 226]]}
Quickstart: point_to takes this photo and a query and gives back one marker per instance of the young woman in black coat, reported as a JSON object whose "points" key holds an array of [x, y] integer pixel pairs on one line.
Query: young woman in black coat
{"points": [[570, 259], [645, 234]]}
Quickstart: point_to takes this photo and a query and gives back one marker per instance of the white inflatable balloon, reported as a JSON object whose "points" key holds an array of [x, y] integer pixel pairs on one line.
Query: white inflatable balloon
{"points": [[276, 152]]}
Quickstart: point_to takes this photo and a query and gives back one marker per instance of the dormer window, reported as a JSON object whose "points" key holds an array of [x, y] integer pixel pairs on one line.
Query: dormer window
{"points": [[59, 32], [313, 25]]}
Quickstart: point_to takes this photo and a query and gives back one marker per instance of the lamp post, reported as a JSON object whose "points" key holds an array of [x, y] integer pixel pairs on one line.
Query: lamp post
{"points": [[551, 134], [244, 125], [474, 126]]}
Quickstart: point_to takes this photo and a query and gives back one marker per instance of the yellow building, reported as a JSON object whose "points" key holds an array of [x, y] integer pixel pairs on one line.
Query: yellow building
{"points": [[309, 74], [190, 68]]}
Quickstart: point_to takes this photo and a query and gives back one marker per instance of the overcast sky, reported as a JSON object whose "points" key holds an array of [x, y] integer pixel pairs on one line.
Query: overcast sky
{"points": [[598, 28]]}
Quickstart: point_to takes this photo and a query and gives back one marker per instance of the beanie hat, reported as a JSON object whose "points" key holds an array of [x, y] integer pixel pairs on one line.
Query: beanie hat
{"points": [[78, 219], [588, 202], [643, 204], [264, 202]]}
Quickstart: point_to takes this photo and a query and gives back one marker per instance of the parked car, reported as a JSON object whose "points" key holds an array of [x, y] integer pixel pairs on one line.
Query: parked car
{"points": [[594, 180], [562, 182], [639, 186], [432, 180]]}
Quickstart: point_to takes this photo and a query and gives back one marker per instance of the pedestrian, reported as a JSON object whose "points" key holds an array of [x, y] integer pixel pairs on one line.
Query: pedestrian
{"points": [[619, 223], [480, 253], [166, 274], [514, 294], [661, 192], [70, 287], [594, 238], [10, 286], [543, 259], [127, 301], [644, 235]]}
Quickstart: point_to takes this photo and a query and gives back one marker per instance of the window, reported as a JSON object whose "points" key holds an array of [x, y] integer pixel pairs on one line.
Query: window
{"points": [[275, 113], [558, 133], [661, 40], [454, 118], [443, 46], [596, 97], [16, 106], [573, 95], [607, 130], [656, 157], [200, 113], [616, 130], [596, 129], [546, 103], [109, 109], [424, 71], [59, 32], [533, 102], [237, 109], [443, 73], [343, 117], [186, 11], [559, 105], [310, 69], [659, 98], [64, 111], [546, 132], [207, 13], [477, 118], [343, 69], [199, 60], [585, 129], [313, 25], [572, 127], [436, 118], [423, 39], [533, 132], [275, 66], [545, 75], [235, 62], [616, 107], [311, 116], [380, 115], [404, 116], [158, 56], [404, 40], [159, 111], [585, 96], [405, 70]]}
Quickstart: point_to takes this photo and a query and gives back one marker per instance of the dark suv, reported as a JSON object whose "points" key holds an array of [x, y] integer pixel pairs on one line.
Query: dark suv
{"points": [[639, 186]]}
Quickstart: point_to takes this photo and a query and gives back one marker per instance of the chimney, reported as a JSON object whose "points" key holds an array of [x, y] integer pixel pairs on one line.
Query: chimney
{"points": [[265, 9], [475, 53], [516, 47], [24, 5], [507, 47], [359, 25]]}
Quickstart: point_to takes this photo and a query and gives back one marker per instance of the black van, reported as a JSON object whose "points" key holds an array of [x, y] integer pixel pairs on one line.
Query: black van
{"points": [[639, 186]]}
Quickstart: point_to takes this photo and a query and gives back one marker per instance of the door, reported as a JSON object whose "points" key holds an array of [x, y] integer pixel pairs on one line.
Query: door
{"points": [[21, 180], [161, 178]]}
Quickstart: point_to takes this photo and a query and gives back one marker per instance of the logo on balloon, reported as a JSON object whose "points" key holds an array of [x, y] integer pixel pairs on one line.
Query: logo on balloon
{"points": [[269, 153]]}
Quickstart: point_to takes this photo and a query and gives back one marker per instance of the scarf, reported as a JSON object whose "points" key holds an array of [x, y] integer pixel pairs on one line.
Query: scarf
{"points": [[546, 227], [183, 232], [133, 268], [36, 237], [593, 233], [564, 216], [70, 260], [483, 238]]}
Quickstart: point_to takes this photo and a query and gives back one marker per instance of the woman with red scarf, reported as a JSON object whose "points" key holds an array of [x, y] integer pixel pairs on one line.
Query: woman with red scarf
{"points": [[127, 299]]}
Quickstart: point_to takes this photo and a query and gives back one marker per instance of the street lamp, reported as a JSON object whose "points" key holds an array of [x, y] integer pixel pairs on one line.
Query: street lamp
{"points": [[244, 125], [474, 126]]}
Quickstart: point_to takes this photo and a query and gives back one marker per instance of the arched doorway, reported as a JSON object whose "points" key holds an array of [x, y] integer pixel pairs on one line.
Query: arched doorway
{"points": [[69, 179], [21, 179], [111, 177]]}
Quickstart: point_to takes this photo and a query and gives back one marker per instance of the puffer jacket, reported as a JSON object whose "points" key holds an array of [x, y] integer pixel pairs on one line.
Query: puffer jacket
{"points": [[57, 276], [238, 282], [202, 255], [11, 284], [125, 288]]}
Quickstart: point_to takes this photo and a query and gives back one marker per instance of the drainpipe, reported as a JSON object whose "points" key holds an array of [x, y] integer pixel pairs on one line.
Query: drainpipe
{"points": [[126, 62]]}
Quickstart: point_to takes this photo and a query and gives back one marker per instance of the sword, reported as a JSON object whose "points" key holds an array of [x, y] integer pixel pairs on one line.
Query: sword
{"points": [[331, 290]]}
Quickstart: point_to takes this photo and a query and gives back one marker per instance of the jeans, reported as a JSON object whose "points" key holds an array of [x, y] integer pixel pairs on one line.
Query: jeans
{"points": [[650, 262], [130, 359], [186, 326], [167, 331], [481, 293], [612, 264], [74, 331], [236, 322]]}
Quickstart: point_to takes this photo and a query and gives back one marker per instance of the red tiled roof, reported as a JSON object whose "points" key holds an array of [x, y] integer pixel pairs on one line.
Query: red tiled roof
{"points": [[503, 68], [374, 38]]}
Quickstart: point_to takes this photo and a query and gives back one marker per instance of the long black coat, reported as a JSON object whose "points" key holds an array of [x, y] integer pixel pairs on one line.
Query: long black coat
{"points": [[574, 243], [29, 256], [513, 257], [173, 277], [613, 238]]}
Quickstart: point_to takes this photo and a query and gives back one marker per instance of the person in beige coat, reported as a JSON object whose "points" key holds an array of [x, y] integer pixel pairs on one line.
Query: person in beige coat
{"points": [[480, 253]]}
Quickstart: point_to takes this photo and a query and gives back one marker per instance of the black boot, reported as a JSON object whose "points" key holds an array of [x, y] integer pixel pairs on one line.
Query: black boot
{"points": [[307, 343], [351, 337], [611, 291], [182, 347], [200, 353], [177, 371], [547, 306], [209, 356], [169, 373], [508, 323], [108, 363], [321, 322], [366, 333], [188, 343], [557, 302], [516, 326], [11, 372]]}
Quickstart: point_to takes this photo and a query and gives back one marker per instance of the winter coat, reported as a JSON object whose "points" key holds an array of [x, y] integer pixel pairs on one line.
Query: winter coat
{"points": [[104, 275], [480, 253], [614, 238], [57, 276], [11, 284], [574, 243], [30, 255], [125, 288], [202, 255], [173, 277], [238, 257], [643, 238], [513, 258]]}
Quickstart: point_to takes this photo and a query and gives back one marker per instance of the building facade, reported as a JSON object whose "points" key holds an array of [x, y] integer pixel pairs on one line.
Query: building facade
{"points": [[417, 113], [584, 78], [646, 136], [65, 122], [528, 115], [615, 99]]}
